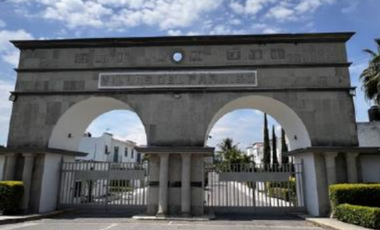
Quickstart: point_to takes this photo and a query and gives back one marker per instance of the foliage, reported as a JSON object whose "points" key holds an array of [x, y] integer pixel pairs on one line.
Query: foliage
{"points": [[355, 194], [145, 158], [368, 217], [11, 193], [283, 190], [370, 77], [284, 148], [230, 153], [274, 147], [266, 159], [115, 189]]}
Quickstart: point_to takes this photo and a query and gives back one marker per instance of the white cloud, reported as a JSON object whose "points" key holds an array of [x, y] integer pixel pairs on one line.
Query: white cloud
{"points": [[2, 23], [124, 14], [174, 32], [244, 126], [353, 4], [132, 128], [8, 53], [281, 12], [278, 10]]}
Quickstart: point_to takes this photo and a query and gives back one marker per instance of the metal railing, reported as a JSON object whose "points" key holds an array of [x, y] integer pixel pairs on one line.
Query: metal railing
{"points": [[251, 186], [103, 184]]}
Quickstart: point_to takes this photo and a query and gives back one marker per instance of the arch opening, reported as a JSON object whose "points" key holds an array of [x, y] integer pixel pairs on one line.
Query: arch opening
{"points": [[298, 136], [69, 131]]}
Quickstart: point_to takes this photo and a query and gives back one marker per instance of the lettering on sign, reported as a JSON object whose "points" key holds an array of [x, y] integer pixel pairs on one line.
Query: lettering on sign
{"points": [[233, 54], [255, 54], [277, 54], [178, 79], [81, 58]]}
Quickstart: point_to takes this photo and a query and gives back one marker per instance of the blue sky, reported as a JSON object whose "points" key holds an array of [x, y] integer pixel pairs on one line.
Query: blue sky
{"points": [[52, 19]]}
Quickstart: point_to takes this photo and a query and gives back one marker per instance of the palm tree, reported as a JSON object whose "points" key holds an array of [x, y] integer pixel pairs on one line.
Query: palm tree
{"points": [[230, 152], [370, 77], [226, 148]]}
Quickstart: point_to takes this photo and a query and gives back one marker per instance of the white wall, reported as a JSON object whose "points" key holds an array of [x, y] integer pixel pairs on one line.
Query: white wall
{"points": [[95, 147], [369, 134], [50, 183]]}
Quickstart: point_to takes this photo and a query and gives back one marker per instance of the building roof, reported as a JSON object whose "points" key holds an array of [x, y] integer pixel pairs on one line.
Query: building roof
{"points": [[177, 150], [185, 40], [335, 149], [4, 151]]}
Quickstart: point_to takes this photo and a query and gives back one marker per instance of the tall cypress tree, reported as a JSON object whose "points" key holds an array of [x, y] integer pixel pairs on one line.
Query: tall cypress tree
{"points": [[266, 159], [274, 147], [284, 148]]}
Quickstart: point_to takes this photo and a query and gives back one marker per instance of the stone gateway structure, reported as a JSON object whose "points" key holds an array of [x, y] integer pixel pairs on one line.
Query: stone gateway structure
{"points": [[180, 87]]}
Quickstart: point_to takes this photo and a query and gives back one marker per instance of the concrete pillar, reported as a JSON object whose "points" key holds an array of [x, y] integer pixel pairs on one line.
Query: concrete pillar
{"points": [[330, 168], [163, 189], [2, 166], [10, 166], [27, 179], [186, 188], [352, 170]]}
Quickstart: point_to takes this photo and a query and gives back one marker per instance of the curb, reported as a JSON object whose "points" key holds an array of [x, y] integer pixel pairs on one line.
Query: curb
{"points": [[13, 220], [335, 224]]}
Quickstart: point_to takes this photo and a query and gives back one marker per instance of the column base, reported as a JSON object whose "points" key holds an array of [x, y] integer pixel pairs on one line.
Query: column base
{"points": [[174, 203]]}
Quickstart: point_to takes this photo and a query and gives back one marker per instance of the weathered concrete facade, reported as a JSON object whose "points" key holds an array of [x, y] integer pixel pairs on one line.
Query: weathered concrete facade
{"points": [[301, 80]]}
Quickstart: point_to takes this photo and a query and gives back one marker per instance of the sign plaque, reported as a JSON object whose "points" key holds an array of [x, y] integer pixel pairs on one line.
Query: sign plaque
{"points": [[178, 79]]}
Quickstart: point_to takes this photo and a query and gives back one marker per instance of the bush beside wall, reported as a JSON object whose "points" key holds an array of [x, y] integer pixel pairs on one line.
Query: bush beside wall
{"points": [[355, 194], [368, 217], [11, 193]]}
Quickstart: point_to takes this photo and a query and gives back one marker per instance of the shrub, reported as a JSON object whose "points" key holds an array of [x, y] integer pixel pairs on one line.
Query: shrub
{"points": [[355, 194], [282, 193], [11, 193], [368, 217]]}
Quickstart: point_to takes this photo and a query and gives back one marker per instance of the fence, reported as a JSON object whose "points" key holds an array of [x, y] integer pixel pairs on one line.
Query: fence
{"points": [[254, 188]]}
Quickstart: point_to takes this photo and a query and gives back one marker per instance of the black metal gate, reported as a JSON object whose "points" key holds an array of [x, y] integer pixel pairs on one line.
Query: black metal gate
{"points": [[254, 188]]}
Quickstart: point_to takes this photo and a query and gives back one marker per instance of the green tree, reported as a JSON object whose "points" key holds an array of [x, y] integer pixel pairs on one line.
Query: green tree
{"points": [[230, 152], [370, 77], [284, 148], [266, 159], [274, 147]]}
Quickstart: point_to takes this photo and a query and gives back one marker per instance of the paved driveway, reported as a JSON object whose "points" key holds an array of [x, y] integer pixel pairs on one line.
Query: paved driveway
{"points": [[83, 222]]}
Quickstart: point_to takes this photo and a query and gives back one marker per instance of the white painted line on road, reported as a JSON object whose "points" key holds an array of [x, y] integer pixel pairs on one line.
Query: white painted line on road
{"points": [[111, 226], [278, 226], [18, 226]]}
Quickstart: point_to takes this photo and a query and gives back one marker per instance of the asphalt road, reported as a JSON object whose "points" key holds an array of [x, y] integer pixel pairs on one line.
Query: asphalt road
{"points": [[72, 222]]}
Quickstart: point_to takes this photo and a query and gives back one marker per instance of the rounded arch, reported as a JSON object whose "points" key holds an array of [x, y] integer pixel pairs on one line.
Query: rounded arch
{"points": [[294, 127], [68, 131]]}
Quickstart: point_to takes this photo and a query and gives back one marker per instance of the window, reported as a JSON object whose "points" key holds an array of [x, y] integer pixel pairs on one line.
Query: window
{"points": [[138, 157], [126, 152], [116, 154], [132, 153], [106, 149]]}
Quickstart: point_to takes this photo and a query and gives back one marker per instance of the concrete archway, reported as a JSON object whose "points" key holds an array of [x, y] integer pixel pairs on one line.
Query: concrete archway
{"points": [[294, 127], [68, 131]]}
